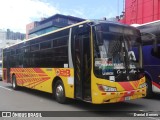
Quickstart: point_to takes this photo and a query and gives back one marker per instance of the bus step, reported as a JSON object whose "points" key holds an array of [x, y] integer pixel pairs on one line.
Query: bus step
{"points": [[88, 99]]}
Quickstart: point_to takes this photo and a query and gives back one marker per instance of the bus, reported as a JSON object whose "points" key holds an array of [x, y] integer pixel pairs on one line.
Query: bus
{"points": [[151, 47], [92, 61]]}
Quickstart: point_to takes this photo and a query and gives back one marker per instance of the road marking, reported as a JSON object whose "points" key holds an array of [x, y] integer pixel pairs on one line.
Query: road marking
{"points": [[141, 110], [6, 88]]}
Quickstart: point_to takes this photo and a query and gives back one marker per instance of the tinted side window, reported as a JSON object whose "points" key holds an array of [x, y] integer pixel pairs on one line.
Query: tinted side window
{"points": [[35, 47], [13, 52], [157, 53], [54, 43], [45, 45], [62, 41], [18, 51], [26, 57]]}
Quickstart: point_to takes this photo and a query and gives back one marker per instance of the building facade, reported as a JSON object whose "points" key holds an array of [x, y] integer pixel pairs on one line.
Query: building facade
{"points": [[29, 27], [8, 37], [15, 35], [49, 24], [141, 11], [3, 36]]}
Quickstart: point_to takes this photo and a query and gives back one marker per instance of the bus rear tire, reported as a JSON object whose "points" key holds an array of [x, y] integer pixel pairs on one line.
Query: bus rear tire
{"points": [[14, 83], [59, 92], [149, 92]]}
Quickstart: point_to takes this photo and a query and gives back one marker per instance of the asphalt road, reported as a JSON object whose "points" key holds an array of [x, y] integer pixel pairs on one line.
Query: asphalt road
{"points": [[31, 100]]}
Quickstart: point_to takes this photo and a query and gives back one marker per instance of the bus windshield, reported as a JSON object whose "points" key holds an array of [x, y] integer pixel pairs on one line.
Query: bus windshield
{"points": [[115, 50]]}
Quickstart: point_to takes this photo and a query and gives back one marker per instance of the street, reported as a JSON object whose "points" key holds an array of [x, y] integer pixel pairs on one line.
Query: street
{"points": [[31, 100]]}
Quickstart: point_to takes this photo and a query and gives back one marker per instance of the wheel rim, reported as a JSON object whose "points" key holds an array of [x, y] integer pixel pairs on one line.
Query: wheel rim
{"points": [[14, 84], [59, 91]]}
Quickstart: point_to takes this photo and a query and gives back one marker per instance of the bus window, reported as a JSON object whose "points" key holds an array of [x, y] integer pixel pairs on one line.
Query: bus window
{"points": [[156, 53]]}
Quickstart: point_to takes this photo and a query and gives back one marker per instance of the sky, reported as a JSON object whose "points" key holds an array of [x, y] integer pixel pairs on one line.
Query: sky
{"points": [[15, 14]]}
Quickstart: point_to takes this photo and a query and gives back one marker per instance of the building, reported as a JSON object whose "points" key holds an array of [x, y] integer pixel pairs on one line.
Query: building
{"points": [[141, 11], [15, 35], [29, 27], [48, 24], [3, 35], [8, 37]]}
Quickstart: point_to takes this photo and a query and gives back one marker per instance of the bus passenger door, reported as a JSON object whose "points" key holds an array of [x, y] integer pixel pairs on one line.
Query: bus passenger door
{"points": [[82, 65]]}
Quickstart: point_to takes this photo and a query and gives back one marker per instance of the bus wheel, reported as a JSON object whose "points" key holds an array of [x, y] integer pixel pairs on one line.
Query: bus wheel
{"points": [[14, 83], [59, 92], [149, 88]]}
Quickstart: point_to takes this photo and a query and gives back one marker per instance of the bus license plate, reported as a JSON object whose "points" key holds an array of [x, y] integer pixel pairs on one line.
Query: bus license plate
{"points": [[127, 98]]}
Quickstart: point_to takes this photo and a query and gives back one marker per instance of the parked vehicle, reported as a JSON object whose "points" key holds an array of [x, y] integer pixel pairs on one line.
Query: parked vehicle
{"points": [[151, 55]]}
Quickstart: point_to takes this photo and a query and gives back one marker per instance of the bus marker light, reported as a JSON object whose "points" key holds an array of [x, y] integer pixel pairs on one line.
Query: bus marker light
{"points": [[103, 93], [143, 85], [107, 100]]}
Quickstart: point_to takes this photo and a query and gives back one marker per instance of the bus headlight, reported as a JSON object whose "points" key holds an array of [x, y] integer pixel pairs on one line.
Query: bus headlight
{"points": [[107, 88], [143, 85]]}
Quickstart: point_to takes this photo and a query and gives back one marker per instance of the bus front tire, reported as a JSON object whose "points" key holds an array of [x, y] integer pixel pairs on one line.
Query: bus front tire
{"points": [[149, 92], [59, 92], [14, 83]]}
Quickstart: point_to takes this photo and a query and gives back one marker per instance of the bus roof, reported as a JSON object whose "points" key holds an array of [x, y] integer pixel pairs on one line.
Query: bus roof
{"points": [[54, 31], [148, 23], [151, 27], [86, 21]]}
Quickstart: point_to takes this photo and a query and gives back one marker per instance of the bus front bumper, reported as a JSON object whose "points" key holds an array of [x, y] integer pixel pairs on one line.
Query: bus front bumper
{"points": [[113, 97]]}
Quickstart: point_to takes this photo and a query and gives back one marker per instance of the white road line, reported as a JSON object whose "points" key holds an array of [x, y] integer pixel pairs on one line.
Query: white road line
{"points": [[6, 88]]}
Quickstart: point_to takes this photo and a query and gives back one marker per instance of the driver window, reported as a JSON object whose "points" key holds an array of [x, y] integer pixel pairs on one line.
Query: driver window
{"points": [[156, 53]]}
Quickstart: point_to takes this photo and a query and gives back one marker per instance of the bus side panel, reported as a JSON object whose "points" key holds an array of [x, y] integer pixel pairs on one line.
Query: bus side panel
{"points": [[152, 66], [67, 77], [42, 78], [47, 76]]}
